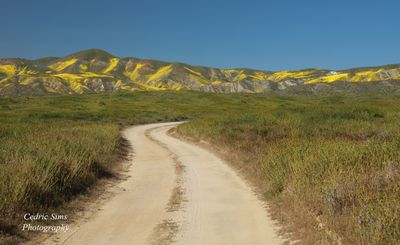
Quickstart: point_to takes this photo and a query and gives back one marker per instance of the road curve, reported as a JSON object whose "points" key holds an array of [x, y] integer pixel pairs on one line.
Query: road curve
{"points": [[177, 193]]}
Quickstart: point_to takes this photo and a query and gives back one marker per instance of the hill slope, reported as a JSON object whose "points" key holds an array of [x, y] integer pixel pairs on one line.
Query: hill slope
{"points": [[93, 71]]}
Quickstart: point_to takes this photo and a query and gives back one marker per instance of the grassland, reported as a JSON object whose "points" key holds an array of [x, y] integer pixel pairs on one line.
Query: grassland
{"points": [[338, 158]]}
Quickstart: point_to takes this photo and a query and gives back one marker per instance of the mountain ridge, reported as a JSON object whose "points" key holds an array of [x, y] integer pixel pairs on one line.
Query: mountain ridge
{"points": [[95, 71]]}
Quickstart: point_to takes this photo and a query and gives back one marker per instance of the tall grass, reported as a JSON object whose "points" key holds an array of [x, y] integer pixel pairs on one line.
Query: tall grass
{"points": [[337, 157], [52, 148], [339, 160], [43, 165]]}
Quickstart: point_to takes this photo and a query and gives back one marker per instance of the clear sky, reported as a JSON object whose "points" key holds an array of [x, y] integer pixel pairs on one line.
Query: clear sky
{"points": [[269, 35]]}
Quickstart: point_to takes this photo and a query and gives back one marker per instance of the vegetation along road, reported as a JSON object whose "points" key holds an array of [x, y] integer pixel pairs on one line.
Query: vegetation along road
{"points": [[328, 166], [176, 192]]}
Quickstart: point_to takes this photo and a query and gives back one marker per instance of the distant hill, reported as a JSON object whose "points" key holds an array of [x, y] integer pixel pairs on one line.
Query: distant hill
{"points": [[95, 71]]}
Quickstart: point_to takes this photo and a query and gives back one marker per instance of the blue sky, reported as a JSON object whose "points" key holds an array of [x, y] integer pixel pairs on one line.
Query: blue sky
{"points": [[268, 35]]}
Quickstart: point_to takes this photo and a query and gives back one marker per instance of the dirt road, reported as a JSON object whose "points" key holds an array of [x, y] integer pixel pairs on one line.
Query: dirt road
{"points": [[177, 193]]}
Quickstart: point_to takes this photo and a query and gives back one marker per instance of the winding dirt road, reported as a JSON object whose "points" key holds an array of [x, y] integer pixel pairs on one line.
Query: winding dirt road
{"points": [[177, 193]]}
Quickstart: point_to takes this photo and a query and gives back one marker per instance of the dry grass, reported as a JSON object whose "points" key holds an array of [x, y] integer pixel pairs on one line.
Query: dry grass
{"points": [[45, 165], [338, 161], [338, 158]]}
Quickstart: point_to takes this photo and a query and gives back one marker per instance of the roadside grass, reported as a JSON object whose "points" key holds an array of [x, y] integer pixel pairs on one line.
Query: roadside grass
{"points": [[53, 148], [337, 157], [43, 165]]}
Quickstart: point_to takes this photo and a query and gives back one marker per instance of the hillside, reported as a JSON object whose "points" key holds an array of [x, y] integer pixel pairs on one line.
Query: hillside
{"points": [[94, 71]]}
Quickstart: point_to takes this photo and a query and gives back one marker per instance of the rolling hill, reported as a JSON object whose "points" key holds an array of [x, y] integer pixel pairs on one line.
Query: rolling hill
{"points": [[95, 71]]}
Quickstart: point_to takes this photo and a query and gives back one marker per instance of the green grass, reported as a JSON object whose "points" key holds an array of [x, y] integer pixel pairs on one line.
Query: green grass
{"points": [[339, 157], [42, 164], [52, 148]]}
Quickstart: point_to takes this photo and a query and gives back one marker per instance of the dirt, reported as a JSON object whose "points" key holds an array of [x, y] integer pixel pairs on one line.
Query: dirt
{"points": [[176, 193]]}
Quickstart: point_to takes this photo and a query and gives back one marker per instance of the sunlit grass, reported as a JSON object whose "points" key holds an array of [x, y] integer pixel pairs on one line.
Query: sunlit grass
{"points": [[338, 156], [340, 159]]}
